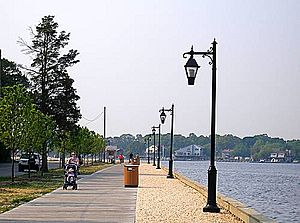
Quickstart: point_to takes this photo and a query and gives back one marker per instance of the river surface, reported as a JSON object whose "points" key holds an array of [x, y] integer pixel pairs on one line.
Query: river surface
{"points": [[272, 189]]}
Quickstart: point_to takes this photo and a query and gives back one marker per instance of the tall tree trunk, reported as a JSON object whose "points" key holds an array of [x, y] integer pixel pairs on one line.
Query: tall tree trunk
{"points": [[13, 166], [60, 160], [44, 167], [63, 159], [30, 153]]}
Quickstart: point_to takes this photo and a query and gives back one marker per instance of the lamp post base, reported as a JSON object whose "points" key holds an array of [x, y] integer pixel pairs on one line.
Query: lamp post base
{"points": [[211, 205], [211, 208], [158, 163], [170, 174]]}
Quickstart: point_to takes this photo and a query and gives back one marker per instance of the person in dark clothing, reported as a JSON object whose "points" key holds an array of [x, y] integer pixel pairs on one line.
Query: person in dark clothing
{"points": [[130, 157]]}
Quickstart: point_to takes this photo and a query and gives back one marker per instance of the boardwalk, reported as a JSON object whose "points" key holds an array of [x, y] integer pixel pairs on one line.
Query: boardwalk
{"points": [[101, 197]]}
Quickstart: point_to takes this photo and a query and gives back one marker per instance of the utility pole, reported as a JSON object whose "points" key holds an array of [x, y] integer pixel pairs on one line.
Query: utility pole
{"points": [[104, 133]]}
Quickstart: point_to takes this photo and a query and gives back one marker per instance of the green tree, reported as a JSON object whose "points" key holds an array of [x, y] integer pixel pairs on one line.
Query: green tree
{"points": [[226, 142], [15, 110], [52, 86], [269, 148], [241, 150], [180, 141], [97, 144], [257, 147], [39, 130], [12, 75], [294, 146], [263, 145], [83, 140]]}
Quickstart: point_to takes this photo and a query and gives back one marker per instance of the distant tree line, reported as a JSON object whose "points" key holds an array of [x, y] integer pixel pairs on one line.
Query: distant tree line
{"points": [[257, 147]]}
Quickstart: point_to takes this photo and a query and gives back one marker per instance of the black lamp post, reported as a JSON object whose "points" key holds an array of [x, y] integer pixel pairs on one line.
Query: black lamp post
{"points": [[153, 132], [158, 155], [148, 140], [163, 118], [191, 69]]}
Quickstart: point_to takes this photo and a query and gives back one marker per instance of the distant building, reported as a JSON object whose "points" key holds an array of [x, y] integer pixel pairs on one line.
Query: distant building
{"points": [[226, 154], [191, 152], [151, 150], [273, 155], [280, 157]]}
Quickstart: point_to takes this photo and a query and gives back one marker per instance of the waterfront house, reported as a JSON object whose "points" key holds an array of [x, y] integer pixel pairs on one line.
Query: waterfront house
{"points": [[226, 154], [273, 155], [191, 152], [279, 157]]}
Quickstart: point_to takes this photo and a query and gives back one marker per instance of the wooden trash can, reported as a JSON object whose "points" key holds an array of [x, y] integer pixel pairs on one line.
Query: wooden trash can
{"points": [[131, 175]]}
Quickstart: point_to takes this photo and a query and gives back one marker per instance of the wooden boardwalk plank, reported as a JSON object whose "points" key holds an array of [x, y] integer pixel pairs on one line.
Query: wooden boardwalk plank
{"points": [[100, 197]]}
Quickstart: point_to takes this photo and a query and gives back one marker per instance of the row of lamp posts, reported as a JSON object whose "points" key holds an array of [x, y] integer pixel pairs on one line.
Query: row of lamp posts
{"points": [[191, 69], [163, 117]]}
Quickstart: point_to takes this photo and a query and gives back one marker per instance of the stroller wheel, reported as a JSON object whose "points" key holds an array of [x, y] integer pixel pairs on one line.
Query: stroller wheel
{"points": [[74, 187], [65, 187]]}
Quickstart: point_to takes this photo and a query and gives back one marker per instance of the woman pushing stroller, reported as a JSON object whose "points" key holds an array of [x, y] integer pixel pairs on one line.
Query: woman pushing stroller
{"points": [[71, 171], [73, 159]]}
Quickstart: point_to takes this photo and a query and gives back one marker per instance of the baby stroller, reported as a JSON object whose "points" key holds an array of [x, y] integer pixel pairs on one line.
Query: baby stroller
{"points": [[70, 176]]}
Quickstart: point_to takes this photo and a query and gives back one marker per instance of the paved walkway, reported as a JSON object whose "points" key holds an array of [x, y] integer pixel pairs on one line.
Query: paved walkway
{"points": [[101, 197], [162, 200]]}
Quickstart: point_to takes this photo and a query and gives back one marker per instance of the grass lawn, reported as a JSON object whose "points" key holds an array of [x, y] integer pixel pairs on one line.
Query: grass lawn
{"points": [[25, 189]]}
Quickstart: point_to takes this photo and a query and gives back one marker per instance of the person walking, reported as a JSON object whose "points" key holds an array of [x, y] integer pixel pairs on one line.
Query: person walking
{"points": [[121, 158], [130, 158]]}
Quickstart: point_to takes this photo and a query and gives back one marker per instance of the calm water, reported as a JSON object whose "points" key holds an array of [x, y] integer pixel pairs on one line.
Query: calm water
{"points": [[271, 189]]}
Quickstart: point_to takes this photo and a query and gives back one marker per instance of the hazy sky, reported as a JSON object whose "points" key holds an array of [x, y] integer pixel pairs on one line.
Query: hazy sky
{"points": [[131, 61]]}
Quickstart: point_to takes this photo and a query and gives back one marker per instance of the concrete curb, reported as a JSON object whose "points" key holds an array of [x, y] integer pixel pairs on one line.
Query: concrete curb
{"points": [[238, 209]]}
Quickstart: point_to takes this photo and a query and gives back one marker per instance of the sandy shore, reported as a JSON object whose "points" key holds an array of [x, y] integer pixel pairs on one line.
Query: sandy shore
{"points": [[168, 200]]}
